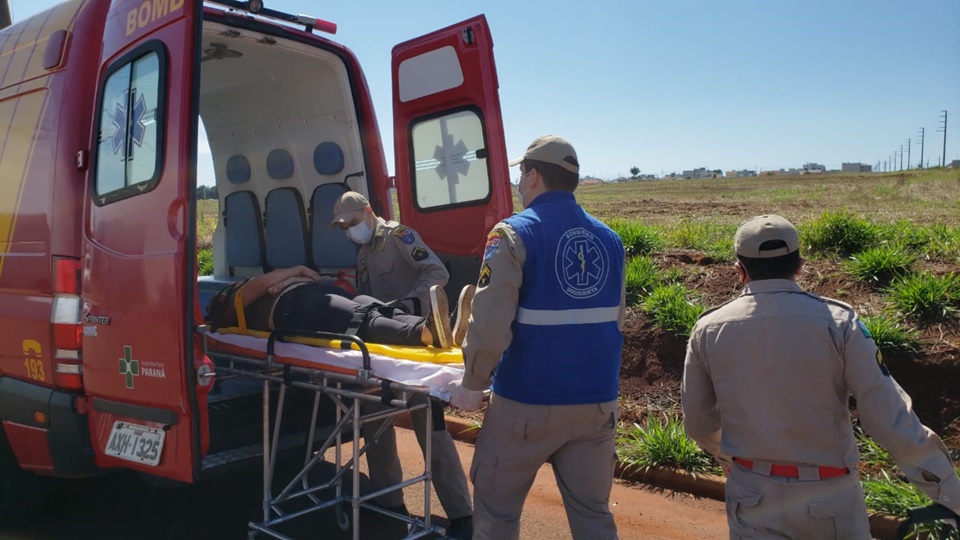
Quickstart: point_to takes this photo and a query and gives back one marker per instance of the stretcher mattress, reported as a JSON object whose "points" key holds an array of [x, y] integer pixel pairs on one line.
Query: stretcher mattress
{"points": [[415, 366]]}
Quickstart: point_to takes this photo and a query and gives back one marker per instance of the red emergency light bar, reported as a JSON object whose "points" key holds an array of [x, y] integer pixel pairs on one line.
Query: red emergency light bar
{"points": [[256, 7]]}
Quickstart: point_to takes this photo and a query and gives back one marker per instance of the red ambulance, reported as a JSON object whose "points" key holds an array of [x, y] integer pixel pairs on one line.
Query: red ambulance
{"points": [[101, 366]]}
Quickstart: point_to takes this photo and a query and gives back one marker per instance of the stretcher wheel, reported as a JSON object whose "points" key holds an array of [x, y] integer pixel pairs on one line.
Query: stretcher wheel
{"points": [[343, 518]]}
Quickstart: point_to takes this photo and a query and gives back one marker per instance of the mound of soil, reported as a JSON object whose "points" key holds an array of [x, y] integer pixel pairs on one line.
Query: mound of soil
{"points": [[652, 364]]}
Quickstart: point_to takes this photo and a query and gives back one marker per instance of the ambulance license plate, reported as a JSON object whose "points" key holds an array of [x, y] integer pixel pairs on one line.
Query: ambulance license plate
{"points": [[140, 444]]}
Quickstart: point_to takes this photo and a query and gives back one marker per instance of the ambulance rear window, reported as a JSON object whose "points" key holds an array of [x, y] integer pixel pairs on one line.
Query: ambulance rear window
{"points": [[127, 149]]}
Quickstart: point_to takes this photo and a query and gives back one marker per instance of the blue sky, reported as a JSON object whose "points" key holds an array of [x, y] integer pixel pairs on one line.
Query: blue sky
{"points": [[680, 84]]}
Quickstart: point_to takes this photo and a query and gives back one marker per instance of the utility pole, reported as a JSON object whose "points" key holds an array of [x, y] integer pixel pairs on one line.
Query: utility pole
{"points": [[943, 128], [901, 158], [908, 154], [921, 148]]}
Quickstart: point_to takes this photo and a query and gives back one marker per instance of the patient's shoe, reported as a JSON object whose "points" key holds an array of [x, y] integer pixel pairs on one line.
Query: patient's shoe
{"points": [[462, 316], [460, 528], [439, 321]]}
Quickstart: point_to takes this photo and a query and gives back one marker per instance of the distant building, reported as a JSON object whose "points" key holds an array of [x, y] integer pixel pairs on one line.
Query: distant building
{"points": [[701, 172], [745, 173], [589, 181], [813, 168], [955, 164], [856, 167]]}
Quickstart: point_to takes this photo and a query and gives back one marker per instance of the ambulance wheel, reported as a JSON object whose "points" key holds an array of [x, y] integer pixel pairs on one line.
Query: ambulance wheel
{"points": [[343, 518], [22, 493]]}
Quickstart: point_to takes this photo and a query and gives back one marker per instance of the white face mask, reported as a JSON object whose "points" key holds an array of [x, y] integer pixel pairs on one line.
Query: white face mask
{"points": [[361, 233], [520, 192]]}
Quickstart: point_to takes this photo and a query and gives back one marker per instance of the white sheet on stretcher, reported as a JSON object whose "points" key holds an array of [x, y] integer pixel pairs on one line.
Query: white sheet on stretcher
{"points": [[433, 376]]}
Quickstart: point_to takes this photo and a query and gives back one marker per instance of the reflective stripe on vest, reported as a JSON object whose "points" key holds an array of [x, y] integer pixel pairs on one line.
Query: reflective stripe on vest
{"points": [[557, 317]]}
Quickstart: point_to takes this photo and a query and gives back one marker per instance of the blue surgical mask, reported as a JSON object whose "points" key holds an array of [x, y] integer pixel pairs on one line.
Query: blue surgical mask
{"points": [[361, 233]]}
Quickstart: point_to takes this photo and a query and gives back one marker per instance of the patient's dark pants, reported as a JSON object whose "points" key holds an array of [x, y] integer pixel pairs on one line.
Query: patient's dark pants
{"points": [[320, 308]]}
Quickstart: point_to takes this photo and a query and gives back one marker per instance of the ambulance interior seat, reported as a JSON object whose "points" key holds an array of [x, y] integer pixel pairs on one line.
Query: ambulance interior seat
{"points": [[331, 250], [284, 223], [243, 229], [243, 223]]}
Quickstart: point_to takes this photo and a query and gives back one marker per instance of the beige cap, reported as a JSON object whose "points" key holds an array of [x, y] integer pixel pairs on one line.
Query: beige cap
{"points": [[753, 232], [551, 149], [347, 206]]}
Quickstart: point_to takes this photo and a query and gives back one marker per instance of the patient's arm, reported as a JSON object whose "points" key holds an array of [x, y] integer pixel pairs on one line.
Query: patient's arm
{"points": [[260, 285]]}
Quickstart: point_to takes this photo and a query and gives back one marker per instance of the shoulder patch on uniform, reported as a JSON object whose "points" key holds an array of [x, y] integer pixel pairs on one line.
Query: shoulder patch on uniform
{"points": [[863, 328], [419, 254], [883, 367], [493, 244], [405, 235], [485, 274]]}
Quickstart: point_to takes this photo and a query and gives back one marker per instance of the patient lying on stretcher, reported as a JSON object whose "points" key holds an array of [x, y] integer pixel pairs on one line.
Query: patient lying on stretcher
{"points": [[294, 299]]}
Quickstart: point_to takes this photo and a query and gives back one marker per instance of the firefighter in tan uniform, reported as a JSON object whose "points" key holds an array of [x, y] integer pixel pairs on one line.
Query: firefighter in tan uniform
{"points": [[766, 384], [394, 263], [545, 333]]}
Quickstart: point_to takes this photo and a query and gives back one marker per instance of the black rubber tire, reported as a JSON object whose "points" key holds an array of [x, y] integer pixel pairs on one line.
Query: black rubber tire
{"points": [[22, 493]]}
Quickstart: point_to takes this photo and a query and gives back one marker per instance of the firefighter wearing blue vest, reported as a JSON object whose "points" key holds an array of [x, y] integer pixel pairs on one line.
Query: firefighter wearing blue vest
{"points": [[545, 332]]}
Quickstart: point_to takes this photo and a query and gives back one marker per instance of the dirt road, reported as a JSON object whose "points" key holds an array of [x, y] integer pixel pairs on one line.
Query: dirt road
{"points": [[219, 507]]}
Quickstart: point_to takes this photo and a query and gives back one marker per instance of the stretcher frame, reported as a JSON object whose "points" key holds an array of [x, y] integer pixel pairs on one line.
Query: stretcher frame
{"points": [[363, 387]]}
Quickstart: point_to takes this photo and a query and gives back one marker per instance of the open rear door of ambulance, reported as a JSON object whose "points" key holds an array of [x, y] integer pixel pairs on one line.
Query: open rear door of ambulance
{"points": [[452, 178], [138, 278]]}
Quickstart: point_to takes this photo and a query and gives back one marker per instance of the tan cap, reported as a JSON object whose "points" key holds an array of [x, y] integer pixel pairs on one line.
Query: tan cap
{"points": [[753, 232], [347, 206], [551, 149]]}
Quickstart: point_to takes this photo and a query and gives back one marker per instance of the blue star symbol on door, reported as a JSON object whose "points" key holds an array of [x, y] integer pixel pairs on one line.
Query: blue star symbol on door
{"points": [[137, 129]]}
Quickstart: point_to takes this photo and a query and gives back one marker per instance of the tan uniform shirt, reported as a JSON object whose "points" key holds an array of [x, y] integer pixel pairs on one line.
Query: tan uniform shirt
{"points": [[495, 307], [396, 263], [775, 368]]}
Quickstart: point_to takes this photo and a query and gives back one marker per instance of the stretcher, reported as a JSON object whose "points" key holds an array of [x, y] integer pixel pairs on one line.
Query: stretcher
{"points": [[349, 372]]}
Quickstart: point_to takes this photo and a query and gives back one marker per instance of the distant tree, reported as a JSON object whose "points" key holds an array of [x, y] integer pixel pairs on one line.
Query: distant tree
{"points": [[634, 172], [718, 172], [206, 192]]}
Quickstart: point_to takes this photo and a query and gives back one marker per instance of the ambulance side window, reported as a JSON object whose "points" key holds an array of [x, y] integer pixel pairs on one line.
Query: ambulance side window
{"points": [[129, 141], [450, 160]]}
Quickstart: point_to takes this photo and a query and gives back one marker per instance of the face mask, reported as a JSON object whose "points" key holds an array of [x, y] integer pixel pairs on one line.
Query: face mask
{"points": [[520, 192], [361, 233]]}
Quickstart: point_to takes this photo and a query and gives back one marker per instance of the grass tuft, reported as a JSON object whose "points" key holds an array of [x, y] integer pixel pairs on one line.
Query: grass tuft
{"points": [[712, 239], [662, 443], [926, 297], [669, 308], [880, 265], [638, 239], [889, 335], [642, 278], [893, 496], [872, 453], [838, 232], [205, 261]]}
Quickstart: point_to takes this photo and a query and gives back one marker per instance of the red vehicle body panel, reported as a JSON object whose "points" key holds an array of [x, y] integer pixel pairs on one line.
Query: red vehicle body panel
{"points": [[136, 255], [459, 230]]}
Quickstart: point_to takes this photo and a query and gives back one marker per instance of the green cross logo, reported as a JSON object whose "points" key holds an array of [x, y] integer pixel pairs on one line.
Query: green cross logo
{"points": [[129, 367]]}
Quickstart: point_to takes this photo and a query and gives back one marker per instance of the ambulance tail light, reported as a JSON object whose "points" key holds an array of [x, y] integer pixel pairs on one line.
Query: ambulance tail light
{"points": [[65, 323]]}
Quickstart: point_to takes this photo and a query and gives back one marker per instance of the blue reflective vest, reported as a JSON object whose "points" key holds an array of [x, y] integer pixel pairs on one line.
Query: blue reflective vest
{"points": [[566, 344]]}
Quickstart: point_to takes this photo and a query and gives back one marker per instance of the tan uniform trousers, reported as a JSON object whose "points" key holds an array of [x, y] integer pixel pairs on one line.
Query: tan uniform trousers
{"points": [[449, 479], [767, 507], [517, 439]]}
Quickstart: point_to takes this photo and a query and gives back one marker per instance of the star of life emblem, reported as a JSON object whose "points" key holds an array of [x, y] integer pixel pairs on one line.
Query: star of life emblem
{"points": [[582, 263]]}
